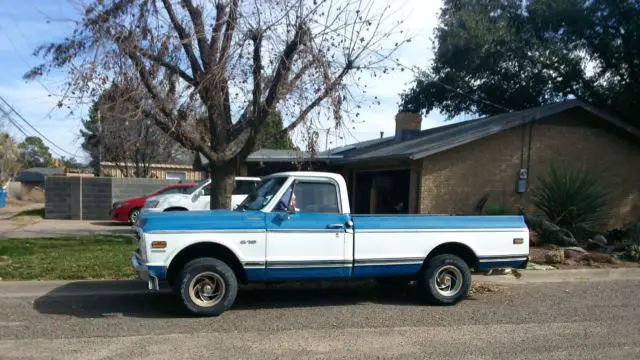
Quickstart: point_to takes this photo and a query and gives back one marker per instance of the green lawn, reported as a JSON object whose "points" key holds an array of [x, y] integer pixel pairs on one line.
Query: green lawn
{"points": [[68, 258]]}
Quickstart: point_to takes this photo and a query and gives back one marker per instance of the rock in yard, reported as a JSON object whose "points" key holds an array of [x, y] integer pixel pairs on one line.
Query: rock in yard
{"points": [[554, 257], [574, 252], [600, 239]]}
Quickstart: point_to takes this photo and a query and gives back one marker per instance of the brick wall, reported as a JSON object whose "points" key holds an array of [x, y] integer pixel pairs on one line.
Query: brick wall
{"points": [[91, 198], [453, 181]]}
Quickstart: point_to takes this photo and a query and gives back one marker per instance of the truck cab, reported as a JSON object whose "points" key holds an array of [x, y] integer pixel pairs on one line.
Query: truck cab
{"points": [[299, 226]]}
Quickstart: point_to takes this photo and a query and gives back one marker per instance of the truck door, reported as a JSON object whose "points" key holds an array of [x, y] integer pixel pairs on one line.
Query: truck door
{"points": [[307, 234]]}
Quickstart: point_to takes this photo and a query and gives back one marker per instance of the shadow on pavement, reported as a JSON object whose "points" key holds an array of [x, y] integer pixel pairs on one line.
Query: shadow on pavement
{"points": [[85, 299]]}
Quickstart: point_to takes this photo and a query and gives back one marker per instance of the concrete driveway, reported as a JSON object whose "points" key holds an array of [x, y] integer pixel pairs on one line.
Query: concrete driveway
{"points": [[565, 318]]}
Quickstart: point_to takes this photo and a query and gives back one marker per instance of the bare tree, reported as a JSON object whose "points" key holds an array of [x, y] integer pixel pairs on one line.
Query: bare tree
{"points": [[118, 131], [233, 61]]}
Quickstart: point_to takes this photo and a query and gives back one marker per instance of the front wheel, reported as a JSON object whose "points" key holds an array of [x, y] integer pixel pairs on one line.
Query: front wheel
{"points": [[206, 287], [133, 216], [445, 280]]}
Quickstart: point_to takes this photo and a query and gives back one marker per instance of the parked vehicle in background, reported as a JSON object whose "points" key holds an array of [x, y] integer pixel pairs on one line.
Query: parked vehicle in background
{"points": [[298, 226], [198, 197], [129, 209]]}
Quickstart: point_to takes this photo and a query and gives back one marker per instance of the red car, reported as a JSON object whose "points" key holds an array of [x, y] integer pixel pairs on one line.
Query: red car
{"points": [[128, 210]]}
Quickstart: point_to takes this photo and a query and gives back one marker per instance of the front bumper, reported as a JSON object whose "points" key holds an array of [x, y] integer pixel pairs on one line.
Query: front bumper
{"points": [[145, 273]]}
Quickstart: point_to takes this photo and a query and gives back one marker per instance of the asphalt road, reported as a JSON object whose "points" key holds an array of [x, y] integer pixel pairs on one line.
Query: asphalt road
{"points": [[537, 320]]}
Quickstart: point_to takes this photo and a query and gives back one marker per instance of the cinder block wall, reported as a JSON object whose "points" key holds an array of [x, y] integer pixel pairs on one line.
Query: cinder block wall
{"points": [[124, 188], [78, 198]]}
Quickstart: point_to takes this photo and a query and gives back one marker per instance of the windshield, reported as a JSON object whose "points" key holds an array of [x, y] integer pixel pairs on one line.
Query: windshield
{"points": [[259, 197], [196, 187]]}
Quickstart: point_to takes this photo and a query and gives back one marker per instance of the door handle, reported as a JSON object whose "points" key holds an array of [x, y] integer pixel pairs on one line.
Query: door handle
{"points": [[335, 226]]}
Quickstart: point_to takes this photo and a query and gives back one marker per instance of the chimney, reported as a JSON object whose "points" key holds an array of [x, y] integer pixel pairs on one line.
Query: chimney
{"points": [[408, 125]]}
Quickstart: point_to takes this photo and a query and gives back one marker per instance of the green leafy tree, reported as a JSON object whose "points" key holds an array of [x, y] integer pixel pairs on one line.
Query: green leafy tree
{"points": [[272, 136], [497, 55], [34, 153]]}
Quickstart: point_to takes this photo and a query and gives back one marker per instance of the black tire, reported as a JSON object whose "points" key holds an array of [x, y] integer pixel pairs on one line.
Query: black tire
{"points": [[427, 280], [196, 269], [133, 215]]}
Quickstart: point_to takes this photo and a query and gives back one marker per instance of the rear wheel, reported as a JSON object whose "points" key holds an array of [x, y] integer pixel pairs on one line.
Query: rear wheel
{"points": [[206, 287], [445, 280]]}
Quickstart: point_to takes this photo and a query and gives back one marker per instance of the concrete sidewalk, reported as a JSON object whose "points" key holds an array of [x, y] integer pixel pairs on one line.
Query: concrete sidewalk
{"points": [[10, 289], [56, 228]]}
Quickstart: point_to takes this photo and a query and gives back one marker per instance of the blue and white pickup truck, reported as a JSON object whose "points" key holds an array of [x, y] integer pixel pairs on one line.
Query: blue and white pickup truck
{"points": [[298, 226]]}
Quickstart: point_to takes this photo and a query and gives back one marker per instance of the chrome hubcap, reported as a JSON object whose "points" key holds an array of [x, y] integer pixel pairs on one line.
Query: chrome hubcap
{"points": [[448, 280], [207, 289]]}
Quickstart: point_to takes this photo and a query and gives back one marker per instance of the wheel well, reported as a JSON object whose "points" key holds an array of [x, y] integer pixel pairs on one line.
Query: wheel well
{"points": [[458, 249], [206, 249], [176, 208]]}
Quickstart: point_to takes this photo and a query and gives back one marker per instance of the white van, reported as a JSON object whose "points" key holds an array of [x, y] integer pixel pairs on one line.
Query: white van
{"points": [[198, 197]]}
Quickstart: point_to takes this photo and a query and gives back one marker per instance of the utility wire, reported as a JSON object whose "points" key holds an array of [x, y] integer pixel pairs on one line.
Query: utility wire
{"points": [[34, 129], [21, 129]]}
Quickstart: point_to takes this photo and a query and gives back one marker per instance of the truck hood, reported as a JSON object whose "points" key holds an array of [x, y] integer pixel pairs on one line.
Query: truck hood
{"points": [[201, 221]]}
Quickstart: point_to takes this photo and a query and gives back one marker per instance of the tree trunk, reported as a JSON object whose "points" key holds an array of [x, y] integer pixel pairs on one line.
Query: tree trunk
{"points": [[222, 185]]}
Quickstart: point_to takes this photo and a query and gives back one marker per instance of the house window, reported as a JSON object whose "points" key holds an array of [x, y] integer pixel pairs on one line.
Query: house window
{"points": [[175, 175]]}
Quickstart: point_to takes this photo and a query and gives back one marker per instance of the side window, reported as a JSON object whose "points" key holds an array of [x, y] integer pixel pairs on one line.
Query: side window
{"points": [[207, 190], [318, 197], [244, 187]]}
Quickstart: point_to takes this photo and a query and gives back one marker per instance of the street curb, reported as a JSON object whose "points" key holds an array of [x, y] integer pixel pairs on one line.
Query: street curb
{"points": [[557, 276], [14, 289]]}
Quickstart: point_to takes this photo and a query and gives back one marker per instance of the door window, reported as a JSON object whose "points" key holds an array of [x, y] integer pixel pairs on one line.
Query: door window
{"points": [[244, 187], [308, 196]]}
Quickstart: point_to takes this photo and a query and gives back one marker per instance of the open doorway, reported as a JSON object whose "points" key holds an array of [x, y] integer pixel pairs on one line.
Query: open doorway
{"points": [[382, 192]]}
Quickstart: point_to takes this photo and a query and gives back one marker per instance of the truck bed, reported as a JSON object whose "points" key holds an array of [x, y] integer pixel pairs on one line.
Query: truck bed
{"points": [[491, 239]]}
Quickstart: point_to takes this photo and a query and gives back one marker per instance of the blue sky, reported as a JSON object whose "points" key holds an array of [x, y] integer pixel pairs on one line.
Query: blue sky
{"points": [[28, 23]]}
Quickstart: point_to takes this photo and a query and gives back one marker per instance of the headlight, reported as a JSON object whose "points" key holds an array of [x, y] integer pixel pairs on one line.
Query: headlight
{"points": [[151, 203], [118, 204]]}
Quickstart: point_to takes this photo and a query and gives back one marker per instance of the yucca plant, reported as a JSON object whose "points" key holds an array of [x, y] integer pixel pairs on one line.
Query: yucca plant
{"points": [[572, 199]]}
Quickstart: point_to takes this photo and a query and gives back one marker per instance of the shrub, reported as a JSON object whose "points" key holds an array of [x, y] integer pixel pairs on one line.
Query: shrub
{"points": [[631, 252], [633, 233], [572, 199]]}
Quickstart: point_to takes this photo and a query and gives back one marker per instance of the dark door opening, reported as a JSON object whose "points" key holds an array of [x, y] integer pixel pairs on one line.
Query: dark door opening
{"points": [[382, 192]]}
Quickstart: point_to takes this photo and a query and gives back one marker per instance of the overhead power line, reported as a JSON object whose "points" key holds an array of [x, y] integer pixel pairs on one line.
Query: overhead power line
{"points": [[31, 126]]}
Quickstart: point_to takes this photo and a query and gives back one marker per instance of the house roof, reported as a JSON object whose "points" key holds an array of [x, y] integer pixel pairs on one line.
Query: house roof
{"points": [[38, 174], [434, 140], [277, 155]]}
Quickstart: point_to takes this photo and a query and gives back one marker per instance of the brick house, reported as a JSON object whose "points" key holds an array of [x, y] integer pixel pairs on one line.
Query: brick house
{"points": [[448, 169]]}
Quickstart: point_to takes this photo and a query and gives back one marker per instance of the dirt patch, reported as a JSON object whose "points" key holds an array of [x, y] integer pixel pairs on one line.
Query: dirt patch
{"points": [[482, 288], [541, 255]]}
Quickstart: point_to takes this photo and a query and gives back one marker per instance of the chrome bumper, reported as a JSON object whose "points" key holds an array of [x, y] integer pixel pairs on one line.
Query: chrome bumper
{"points": [[144, 273]]}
